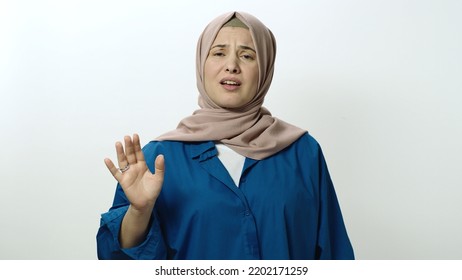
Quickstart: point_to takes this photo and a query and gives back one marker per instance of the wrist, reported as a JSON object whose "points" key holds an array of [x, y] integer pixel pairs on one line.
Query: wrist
{"points": [[140, 212]]}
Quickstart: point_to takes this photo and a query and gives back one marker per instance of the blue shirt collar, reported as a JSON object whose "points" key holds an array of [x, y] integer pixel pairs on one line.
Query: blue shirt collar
{"points": [[202, 150]]}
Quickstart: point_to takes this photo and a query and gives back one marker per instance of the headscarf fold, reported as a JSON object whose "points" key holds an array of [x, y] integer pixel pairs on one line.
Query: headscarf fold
{"points": [[250, 130]]}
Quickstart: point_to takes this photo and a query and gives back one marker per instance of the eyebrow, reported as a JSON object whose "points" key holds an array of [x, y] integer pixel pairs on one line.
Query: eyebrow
{"points": [[240, 46]]}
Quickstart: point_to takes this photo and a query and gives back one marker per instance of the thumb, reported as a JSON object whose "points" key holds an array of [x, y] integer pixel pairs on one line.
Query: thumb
{"points": [[159, 166]]}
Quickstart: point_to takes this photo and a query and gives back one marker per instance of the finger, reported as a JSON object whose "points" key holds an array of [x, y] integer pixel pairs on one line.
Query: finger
{"points": [[138, 152], [121, 158], [159, 166], [114, 171], [129, 150]]}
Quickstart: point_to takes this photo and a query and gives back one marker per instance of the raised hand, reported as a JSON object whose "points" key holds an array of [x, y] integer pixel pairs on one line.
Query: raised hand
{"points": [[140, 185]]}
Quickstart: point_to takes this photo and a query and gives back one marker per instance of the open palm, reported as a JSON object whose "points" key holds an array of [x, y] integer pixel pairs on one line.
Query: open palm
{"points": [[140, 185]]}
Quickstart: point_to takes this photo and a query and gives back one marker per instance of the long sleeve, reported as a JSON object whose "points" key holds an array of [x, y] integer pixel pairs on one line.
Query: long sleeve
{"points": [[333, 241], [108, 235]]}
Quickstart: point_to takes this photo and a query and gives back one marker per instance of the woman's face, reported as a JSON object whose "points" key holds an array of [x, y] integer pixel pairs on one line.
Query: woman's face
{"points": [[231, 68]]}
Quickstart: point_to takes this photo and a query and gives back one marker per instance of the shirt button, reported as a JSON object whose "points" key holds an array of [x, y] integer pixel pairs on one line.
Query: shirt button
{"points": [[247, 213]]}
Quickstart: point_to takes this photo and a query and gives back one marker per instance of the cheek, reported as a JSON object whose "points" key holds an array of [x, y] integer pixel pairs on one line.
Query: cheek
{"points": [[208, 76], [254, 78], [206, 71], [211, 67]]}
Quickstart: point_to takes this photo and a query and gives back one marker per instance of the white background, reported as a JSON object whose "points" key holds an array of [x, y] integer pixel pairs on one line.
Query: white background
{"points": [[377, 83]]}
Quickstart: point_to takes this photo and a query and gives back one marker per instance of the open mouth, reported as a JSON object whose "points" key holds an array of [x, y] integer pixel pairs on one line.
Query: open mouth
{"points": [[230, 83]]}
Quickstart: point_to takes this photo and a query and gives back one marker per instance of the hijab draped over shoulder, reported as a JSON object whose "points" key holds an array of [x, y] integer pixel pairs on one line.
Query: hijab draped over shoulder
{"points": [[250, 130]]}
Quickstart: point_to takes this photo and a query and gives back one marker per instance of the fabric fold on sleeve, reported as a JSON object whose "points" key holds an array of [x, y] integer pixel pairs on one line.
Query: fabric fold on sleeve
{"points": [[333, 243], [152, 247]]}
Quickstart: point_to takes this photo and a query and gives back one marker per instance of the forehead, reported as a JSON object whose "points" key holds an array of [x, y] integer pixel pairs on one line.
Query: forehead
{"points": [[228, 35]]}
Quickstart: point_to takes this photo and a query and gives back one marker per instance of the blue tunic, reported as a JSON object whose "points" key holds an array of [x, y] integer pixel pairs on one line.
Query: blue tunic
{"points": [[284, 208]]}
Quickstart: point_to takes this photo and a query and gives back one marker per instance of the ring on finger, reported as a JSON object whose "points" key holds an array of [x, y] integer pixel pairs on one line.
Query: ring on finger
{"points": [[125, 168]]}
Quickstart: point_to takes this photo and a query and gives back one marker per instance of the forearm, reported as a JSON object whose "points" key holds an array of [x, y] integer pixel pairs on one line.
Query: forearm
{"points": [[134, 227]]}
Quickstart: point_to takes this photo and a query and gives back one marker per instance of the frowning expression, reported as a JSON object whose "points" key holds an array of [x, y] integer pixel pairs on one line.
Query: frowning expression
{"points": [[231, 68]]}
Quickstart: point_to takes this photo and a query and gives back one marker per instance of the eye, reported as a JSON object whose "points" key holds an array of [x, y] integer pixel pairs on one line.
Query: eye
{"points": [[218, 53], [247, 56]]}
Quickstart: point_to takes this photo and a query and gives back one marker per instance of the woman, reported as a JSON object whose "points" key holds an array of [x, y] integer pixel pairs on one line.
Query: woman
{"points": [[231, 182]]}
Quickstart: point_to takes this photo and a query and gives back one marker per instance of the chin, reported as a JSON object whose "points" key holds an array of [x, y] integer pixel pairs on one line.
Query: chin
{"points": [[231, 105], [226, 106]]}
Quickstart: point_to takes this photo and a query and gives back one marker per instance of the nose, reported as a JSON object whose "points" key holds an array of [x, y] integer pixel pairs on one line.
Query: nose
{"points": [[232, 65]]}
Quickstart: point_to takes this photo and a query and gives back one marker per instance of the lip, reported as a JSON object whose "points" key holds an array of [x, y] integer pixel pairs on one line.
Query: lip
{"points": [[237, 81], [230, 87]]}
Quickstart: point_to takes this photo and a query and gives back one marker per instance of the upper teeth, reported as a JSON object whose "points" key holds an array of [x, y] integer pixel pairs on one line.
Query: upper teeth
{"points": [[230, 83]]}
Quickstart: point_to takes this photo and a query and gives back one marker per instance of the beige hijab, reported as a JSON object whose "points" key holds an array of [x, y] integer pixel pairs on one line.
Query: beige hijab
{"points": [[250, 130]]}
